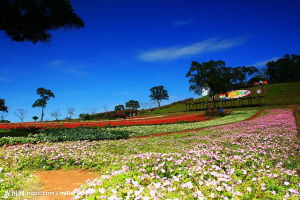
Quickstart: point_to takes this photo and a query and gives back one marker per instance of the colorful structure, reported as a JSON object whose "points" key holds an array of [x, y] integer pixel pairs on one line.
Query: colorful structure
{"points": [[234, 94], [260, 83]]}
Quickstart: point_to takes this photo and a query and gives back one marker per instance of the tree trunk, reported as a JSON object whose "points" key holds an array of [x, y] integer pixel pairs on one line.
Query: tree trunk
{"points": [[42, 114], [158, 103]]}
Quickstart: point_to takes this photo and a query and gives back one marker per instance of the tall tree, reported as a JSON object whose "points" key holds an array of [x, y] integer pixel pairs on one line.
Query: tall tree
{"points": [[31, 20], [158, 94], [215, 77], [286, 69], [3, 109], [119, 107], [132, 104], [20, 113], [42, 102]]}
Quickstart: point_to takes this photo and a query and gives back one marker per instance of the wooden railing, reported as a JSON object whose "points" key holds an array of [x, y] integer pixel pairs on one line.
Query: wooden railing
{"points": [[226, 103]]}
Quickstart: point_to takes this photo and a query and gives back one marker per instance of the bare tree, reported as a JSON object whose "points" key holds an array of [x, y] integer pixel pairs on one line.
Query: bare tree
{"points": [[93, 111], [3, 115], [71, 112], [20, 113], [56, 114]]}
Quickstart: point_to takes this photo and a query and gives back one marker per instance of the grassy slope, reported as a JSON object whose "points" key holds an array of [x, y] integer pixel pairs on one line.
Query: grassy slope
{"points": [[275, 94]]}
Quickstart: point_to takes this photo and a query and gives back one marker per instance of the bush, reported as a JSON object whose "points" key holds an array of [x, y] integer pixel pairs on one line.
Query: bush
{"points": [[85, 116], [63, 135], [4, 121], [217, 113]]}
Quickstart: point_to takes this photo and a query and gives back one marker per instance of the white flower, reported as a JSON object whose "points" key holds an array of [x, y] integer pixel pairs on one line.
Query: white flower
{"points": [[273, 192], [219, 188], [1, 168], [163, 170], [286, 183], [212, 195], [249, 189], [101, 190]]}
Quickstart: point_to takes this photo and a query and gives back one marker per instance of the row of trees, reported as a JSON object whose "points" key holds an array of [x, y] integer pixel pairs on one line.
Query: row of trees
{"points": [[158, 93], [215, 77]]}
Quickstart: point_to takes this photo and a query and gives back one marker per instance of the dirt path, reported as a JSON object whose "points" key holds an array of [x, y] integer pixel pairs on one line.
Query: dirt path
{"points": [[194, 130], [62, 182]]}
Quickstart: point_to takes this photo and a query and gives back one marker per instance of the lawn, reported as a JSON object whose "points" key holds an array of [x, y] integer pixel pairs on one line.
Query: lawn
{"points": [[255, 159]]}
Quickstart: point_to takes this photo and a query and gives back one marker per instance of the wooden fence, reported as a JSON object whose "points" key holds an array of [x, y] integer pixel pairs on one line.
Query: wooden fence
{"points": [[227, 103]]}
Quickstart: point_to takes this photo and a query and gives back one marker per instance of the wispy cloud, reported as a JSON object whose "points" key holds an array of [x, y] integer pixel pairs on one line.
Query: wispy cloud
{"points": [[264, 62], [202, 47], [61, 66], [179, 23]]}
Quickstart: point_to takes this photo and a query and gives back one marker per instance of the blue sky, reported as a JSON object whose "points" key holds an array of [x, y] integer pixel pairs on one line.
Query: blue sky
{"points": [[127, 47]]}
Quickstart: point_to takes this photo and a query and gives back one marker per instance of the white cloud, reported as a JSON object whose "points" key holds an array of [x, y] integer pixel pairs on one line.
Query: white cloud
{"points": [[264, 62], [61, 66], [202, 47], [179, 23]]}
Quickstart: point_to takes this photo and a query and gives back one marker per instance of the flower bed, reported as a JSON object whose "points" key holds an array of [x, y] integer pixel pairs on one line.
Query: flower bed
{"points": [[133, 122], [246, 160]]}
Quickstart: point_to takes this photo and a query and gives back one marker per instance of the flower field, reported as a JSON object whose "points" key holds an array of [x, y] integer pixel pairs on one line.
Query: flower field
{"points": [[170, 119], [255, 159], [112, 133]]}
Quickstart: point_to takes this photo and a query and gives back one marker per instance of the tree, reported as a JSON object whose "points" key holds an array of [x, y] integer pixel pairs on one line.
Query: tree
{"points": [[240, 74], [33, 19], [158, 94], [3, 109], [56, 114], [42, 102], [132, 104], [119, 107], [286, 69], [215, 77], [71, 112], [20, 113], [35, 118]]}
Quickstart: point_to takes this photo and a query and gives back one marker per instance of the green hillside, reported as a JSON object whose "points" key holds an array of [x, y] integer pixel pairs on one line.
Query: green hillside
{"points": [[274, 94]]}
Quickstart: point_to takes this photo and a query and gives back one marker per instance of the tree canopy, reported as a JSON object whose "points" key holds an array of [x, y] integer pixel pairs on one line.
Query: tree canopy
{"points": [[286, 69], [42, 102], [3, 109], [215, 77], [132, 104], [158, 94], [119, 107], [31, 20]]}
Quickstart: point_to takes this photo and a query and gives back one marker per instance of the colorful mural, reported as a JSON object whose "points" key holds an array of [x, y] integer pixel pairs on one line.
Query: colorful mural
{"points": [[235, 94], [260, 83]]}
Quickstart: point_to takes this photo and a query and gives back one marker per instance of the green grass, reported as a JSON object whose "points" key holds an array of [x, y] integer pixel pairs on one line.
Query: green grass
{"points": [[275, 95]]}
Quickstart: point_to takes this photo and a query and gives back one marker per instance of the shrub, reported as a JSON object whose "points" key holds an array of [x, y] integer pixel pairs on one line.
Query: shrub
{"points": [[217, 113], [85, 116]]}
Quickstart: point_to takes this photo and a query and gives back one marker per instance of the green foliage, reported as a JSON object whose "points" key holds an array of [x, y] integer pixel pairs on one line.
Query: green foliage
{"points": [[286, 69], [216, 113], [3, 110], [42, 102], [62, 135], [215, 77], [32, 20], [35, 118], [85, 116], [132, 104], [119, 107], [158, 94]]}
